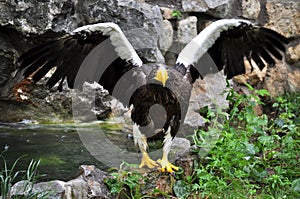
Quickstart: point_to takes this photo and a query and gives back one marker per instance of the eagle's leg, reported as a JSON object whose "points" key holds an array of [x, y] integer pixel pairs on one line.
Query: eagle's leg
{"points": [[164, 162], [141, 140]]}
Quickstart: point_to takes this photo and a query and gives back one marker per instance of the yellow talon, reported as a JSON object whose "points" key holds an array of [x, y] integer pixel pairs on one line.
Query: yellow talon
{"points": [[166, 166], [148, 162]]}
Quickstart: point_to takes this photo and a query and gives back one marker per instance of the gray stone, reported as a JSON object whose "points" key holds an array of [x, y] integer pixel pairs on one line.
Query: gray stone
{"points": [[179, 147], [206, 92], [89, 184], [53, 189], [187, 30], [91, 103], [216, 8], [95, 180], [166, 39], [76, 188], [194, 6], [250, 9], [7, 59]]}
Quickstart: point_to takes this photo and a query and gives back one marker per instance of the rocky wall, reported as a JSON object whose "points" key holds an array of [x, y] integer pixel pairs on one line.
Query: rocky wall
{"points": [[157, 29]]}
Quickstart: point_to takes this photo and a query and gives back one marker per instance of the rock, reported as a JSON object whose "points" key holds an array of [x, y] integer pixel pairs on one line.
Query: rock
{"points": [[194, 6], [276, 80], [206, 92], [52, 189], [162, 3], [91, 103], [293, 54], [250, 9], [167, 12], [95, 181], [21, 188], [7, 58], [76, 188], [179, 147], [219, 8], [294, 81], [89, 184], [284, 16], [187, 29], [166, 38]]}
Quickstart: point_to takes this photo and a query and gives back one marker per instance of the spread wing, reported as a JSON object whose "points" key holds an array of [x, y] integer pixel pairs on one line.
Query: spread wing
{"points": [[227, 43], [98, 52]]}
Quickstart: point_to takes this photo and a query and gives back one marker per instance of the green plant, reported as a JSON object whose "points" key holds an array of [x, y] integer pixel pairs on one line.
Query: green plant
{"points": [[177, 14], [251, 156], [8, 176], [126, 182]]}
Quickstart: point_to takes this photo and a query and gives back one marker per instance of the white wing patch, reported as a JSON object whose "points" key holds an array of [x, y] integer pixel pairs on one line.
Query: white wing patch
{"points": [[194, 50], [122, 46]]}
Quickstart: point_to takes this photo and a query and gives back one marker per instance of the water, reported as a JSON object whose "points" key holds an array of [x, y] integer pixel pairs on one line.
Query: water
{"points": [[59, 149]]}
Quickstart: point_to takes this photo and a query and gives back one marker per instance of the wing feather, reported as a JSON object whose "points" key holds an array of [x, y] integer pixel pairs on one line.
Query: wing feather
{"points": [[69, 52], [229, 42]]}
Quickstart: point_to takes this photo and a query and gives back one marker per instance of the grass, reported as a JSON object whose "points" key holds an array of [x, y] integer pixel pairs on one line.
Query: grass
{"points": [[8, 176], [238, 154]]}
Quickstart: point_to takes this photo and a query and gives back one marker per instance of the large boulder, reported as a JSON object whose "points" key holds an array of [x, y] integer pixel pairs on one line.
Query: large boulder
{"points": [[219, 8], [88, 184]]}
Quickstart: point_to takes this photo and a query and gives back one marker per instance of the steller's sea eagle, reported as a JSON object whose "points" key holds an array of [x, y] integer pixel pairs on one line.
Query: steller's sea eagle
{"points": [[229, 43]]}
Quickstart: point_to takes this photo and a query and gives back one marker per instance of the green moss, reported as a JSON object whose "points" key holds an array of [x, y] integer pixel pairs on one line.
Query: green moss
{"points": [[51, 160], [54, 122], [110, 126]]}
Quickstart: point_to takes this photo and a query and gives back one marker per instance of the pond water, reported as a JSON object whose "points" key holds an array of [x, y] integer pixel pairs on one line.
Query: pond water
{"points": [[62, 148], [59, 149]]}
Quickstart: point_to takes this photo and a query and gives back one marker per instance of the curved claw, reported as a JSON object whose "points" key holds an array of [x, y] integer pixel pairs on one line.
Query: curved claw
{"points": [[166, 166], [148, 162]]}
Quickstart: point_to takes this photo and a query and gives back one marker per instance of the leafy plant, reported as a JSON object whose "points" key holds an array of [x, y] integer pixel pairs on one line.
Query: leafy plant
{"points": [[126, 183], [177, 14], [251, 154]]}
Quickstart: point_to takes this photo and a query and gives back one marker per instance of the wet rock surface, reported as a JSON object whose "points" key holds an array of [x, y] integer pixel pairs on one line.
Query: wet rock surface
{"points": [[89, 184]]}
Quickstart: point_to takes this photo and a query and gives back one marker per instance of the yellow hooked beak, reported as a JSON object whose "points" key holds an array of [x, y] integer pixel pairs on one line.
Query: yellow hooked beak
{"points": [[162, 75]]}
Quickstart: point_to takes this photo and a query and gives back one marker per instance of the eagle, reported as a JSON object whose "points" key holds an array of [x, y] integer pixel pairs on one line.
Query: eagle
{"points": [[229, 44]]}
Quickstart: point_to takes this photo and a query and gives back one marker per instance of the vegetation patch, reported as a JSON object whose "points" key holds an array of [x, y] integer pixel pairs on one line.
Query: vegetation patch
{"points": [[240, 153], [51, 160]]}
